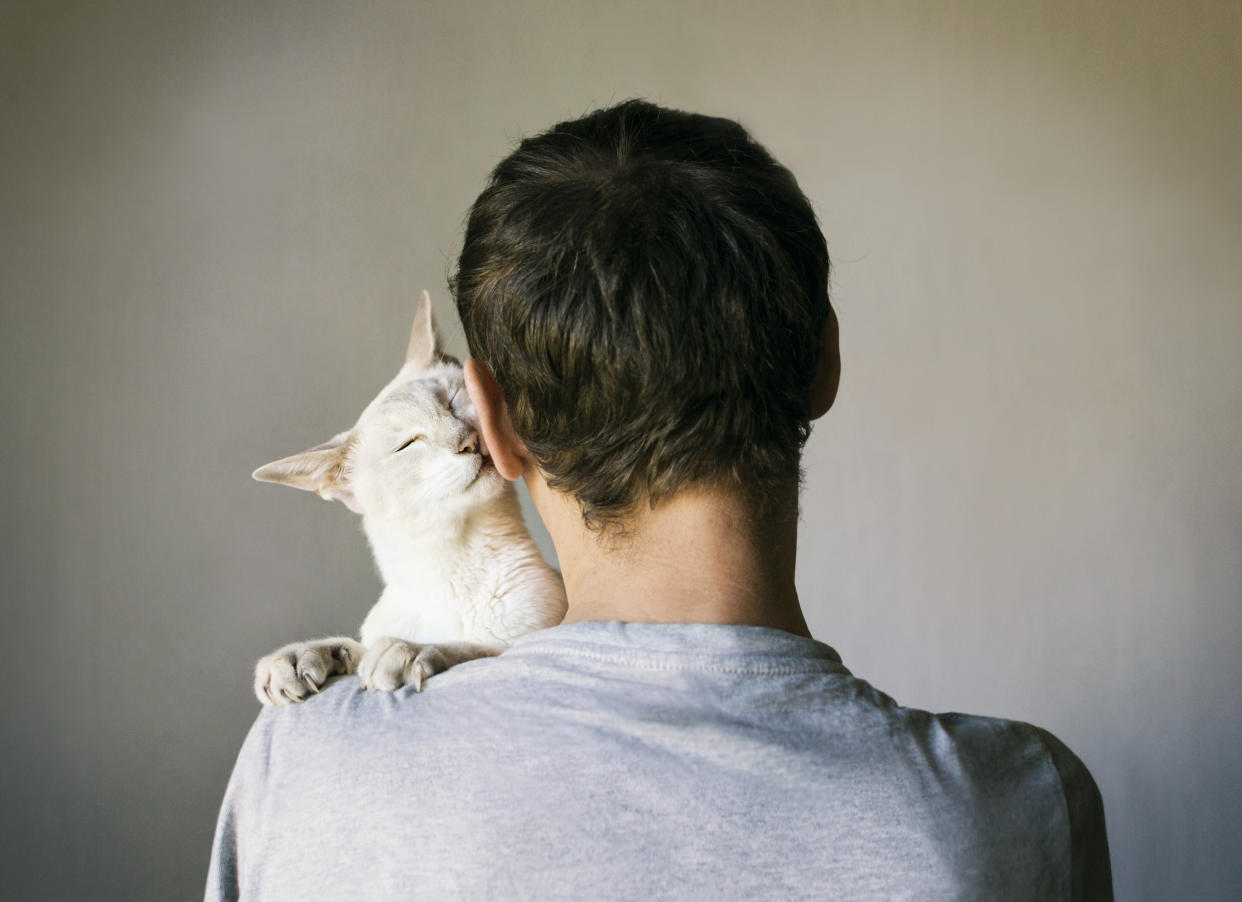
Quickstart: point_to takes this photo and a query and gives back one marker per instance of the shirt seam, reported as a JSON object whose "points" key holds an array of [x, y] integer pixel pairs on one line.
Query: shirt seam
{"points": [[810, 666]]}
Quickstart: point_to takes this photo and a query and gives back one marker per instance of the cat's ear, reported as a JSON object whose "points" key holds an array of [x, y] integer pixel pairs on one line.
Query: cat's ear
{"points": [[323, 469], [424, 347]]}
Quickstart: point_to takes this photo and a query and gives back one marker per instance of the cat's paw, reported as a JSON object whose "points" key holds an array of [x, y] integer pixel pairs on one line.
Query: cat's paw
{"points": [[294, 672], [388, 664]]}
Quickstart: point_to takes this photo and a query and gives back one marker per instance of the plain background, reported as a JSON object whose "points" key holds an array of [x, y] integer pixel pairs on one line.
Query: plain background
{"points": [[1027, 502]]}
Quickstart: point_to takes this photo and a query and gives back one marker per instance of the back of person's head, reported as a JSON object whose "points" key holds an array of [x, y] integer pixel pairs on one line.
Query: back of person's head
{"points": [[649, 288]]}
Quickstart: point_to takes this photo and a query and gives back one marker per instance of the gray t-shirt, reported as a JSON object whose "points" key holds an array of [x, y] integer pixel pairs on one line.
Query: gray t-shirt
{"points": [[652, 761]]}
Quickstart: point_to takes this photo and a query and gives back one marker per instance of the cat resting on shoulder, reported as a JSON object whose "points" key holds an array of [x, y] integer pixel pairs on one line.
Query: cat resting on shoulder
{"points": [[462, 577]]}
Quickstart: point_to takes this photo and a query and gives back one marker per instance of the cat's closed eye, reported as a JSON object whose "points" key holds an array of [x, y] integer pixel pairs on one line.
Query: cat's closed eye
{"points": [[408, 442]]}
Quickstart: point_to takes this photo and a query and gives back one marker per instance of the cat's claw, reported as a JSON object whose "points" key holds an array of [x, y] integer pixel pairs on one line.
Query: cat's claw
{"points": [[389, 664], [293, 673], [349, 657]]}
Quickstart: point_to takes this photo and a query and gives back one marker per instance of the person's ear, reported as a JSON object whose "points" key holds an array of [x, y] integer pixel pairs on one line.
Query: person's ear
{"points": [[828, 372], [507, 451]]}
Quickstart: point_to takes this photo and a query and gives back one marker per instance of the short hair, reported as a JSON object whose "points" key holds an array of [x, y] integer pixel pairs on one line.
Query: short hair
{"points": [[649, 288]]}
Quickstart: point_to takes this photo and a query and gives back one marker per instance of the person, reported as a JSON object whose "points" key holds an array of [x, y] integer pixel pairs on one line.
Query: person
{"points": [[645, 296]]}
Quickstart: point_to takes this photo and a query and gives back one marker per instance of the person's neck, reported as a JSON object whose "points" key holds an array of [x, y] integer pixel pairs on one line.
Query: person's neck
{"points": [[700, 557]]}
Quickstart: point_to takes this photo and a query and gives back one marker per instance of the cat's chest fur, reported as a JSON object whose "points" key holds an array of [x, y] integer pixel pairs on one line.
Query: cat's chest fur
{"points": [[478, 580]]}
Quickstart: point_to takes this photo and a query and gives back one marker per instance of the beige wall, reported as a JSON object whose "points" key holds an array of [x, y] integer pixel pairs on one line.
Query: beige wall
{"points": [[1028, 502]]}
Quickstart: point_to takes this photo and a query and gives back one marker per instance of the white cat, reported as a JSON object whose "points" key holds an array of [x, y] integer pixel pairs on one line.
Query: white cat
{"points": [[462, 576]]}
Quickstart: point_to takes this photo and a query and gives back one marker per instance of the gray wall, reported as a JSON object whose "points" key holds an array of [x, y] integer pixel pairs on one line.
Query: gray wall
{"points": [[1028, 502]]}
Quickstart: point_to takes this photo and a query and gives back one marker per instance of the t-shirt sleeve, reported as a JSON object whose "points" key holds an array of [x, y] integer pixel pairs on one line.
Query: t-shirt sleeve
{"points": [[1091, 876], [237, 815]]}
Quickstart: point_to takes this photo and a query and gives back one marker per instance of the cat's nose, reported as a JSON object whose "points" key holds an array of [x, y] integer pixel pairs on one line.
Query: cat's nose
{"points": [[469, 444]]}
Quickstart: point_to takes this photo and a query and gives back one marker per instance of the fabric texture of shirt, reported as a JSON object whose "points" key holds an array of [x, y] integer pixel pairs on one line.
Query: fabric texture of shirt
{"points": [[652, 761]]}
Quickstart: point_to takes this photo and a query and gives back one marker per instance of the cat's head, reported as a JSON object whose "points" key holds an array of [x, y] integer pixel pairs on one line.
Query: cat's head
{"points": [[414, 452]]}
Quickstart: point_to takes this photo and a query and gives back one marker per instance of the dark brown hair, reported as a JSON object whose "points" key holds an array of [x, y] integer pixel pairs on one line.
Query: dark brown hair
{"points": [[649, 287]]}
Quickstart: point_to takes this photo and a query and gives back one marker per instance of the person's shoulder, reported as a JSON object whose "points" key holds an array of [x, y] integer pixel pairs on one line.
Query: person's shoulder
{"points": [[982, 755], [1076, 780], [1023, 746], [992, 735], [343, 712], [972, 752], [953, 732], [1091, 866], [1011, 748], [1023, 788]]}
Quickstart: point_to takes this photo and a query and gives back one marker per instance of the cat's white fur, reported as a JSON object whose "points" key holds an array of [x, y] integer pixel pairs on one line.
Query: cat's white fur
{"points": [[462, 576]]}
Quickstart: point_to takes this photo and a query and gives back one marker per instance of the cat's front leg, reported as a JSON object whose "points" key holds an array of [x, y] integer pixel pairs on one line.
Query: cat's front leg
{"points": [[389, 663], [295, 671]]}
